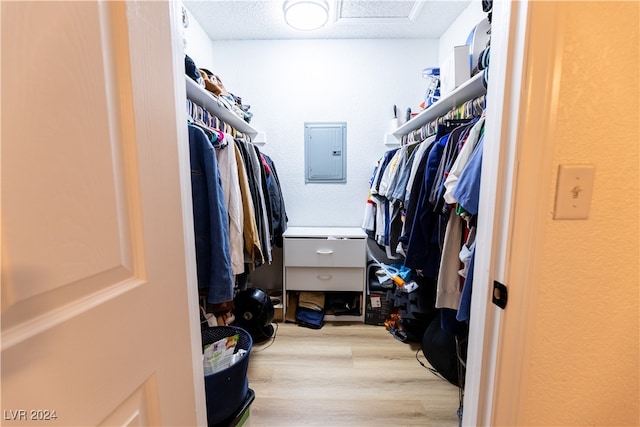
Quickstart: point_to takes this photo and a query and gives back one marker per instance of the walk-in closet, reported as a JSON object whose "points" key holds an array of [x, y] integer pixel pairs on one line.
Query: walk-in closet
{"points": [[396, 213], [367, 97]]}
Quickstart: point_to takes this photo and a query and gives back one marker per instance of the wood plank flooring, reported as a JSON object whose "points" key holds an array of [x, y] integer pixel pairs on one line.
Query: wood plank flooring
{"points": [[345, 375]]}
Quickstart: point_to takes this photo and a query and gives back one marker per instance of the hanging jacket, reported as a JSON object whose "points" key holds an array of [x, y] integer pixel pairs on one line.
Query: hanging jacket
{"points": [[276, 202], [210, 221]]}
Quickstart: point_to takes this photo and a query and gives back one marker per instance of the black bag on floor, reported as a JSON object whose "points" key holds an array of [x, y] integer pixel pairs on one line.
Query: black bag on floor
{"points": [[439, 348]]}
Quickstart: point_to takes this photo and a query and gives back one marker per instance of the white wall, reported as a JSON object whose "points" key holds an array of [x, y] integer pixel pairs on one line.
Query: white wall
{"points": [[585, 345], [458, 32], [288, 82], [197, 44]]}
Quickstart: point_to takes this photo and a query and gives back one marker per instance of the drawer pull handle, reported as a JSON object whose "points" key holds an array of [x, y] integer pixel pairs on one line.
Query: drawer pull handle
{"points": [[324, 251], [324, 276]]}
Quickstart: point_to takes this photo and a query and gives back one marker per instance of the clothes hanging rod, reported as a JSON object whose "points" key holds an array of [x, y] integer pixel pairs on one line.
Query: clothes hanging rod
{"points": [[202, 97], [470, 89]]}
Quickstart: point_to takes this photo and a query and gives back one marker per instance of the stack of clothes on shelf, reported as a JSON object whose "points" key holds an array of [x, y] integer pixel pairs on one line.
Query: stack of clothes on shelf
{"points": [[310, 309], [213, 83]]}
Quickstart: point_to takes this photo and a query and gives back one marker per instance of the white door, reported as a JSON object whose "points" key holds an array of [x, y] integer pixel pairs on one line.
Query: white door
{"points": [[99, 301]]}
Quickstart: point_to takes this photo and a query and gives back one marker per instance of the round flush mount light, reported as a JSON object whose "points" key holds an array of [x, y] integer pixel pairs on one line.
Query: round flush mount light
{"points": [[306, 15]]}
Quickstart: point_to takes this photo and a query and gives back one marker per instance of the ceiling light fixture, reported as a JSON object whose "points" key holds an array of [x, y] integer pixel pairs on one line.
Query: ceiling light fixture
{"points": [[306, 15]]}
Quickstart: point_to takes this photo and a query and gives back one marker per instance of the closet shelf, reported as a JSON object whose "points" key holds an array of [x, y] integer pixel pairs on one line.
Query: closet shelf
{"points": [[202, 97], [470, 89]]}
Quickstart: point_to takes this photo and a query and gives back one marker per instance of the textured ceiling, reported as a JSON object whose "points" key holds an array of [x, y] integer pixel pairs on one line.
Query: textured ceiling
{"points": [[350, 19]]}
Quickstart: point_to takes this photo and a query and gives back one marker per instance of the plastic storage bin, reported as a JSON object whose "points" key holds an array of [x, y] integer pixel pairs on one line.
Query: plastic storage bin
{"points": [[226, 390]]}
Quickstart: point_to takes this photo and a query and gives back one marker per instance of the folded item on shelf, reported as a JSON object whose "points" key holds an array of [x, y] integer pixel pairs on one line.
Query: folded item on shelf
{"points": [[310, 318], [191, 69], [213, 83], [311, 300]]}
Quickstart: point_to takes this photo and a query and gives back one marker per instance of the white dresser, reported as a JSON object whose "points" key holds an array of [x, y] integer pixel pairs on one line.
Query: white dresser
{"points": [[325, 259]]}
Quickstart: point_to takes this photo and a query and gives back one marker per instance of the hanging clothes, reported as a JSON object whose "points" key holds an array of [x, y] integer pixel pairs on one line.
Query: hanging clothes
{"points": [[413, 201], [211, 221], [412, 192], [449, 285], [276, 202], [267, 242], [225, 154], [467, 192], [382, 218], [255, 178], [391, 217], [253, 248], [396, 193], [423, 250], [461, 161]]}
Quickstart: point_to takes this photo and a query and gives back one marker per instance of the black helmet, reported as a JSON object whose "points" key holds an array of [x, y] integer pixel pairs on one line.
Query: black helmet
{"points": [[254, 313]]}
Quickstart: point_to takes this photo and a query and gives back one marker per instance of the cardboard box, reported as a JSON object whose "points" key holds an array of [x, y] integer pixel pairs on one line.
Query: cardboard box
{"points": [[455, 70], [377, 309], [277, 313]]}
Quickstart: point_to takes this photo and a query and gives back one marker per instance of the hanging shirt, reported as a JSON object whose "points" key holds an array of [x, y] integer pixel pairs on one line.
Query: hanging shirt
{"points": [[265, 209], [464, 309], [461, 161], [419, 154], [448, 287], [231, 185], [397, 193], [389, 174], [467, 192], [380, 171]]}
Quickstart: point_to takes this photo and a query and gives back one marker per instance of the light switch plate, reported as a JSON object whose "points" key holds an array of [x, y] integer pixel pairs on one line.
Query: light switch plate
{"points": [[574, 191]]}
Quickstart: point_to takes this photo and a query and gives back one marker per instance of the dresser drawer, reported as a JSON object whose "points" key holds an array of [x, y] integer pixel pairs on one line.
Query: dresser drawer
{"points": [[324, 252], [324, 279]]}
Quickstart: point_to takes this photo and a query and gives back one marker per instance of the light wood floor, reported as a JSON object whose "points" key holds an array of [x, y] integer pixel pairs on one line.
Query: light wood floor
{"points": [[345, 375]]}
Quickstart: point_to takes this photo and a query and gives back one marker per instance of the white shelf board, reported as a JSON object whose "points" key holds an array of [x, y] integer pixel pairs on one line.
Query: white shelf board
{"points": [[202, 97], [325, 232], [470, 89], [343, 318], [390, 140]]}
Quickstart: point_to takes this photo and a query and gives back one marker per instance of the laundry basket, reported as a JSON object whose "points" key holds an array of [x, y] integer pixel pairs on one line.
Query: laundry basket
{"points": [[226, 390]]}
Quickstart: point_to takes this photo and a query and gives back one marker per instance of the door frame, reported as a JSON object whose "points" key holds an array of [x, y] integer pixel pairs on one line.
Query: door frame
{"points": [[524, 81], [180, 93], [521, 105]]}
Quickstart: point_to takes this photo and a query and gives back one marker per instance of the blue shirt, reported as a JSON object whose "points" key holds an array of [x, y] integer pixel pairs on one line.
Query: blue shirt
{"points": [[467, 192]]}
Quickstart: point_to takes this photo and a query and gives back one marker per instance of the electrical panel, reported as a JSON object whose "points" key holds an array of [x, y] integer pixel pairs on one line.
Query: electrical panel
{"points": [[325, 152]]}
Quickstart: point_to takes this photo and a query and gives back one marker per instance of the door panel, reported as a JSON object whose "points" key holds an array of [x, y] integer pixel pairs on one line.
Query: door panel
{"points": [[99, 301], [65, 157], [139, 409]]}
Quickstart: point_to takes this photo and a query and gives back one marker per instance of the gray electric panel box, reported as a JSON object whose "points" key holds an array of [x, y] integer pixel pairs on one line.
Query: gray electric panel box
{"points": [[325, 146]]}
